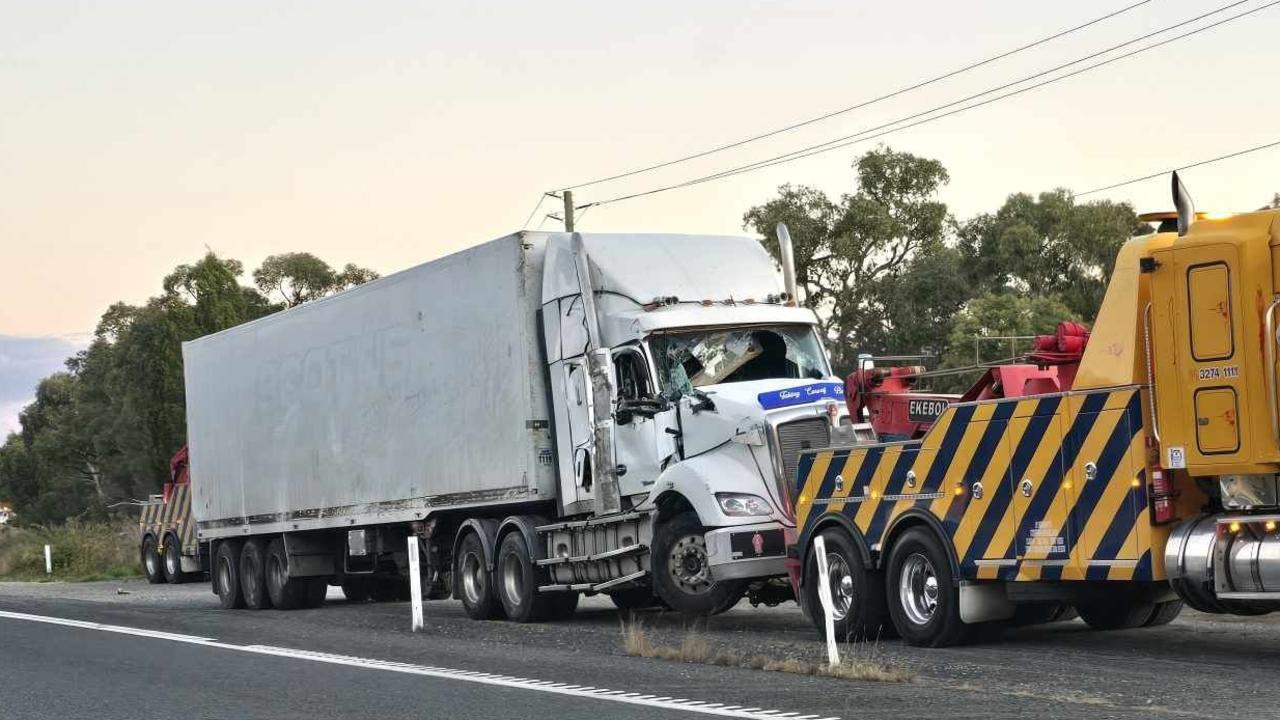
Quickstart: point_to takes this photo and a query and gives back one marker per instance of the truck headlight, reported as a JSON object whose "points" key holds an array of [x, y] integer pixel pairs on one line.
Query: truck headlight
{"points": [[743, 505]]}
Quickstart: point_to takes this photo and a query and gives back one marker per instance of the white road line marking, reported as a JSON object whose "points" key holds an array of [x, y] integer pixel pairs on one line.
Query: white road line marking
{"points": [[546, 686]]}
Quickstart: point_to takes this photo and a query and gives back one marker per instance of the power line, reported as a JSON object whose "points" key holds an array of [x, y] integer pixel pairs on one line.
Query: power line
{"points": [[541, 199], [862, 104], [865, 135], [1197, 164]]}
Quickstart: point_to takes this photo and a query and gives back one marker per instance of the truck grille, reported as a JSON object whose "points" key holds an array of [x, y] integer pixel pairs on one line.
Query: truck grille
{"points": [[795, 437]]}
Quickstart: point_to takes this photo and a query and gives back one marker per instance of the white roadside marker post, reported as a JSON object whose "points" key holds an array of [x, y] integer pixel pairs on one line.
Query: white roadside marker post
{"points": [[48, 560], [824, 595], [415, 584]]}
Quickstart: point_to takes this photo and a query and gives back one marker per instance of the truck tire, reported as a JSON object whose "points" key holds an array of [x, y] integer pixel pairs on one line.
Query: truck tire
{"points": [[517, 579], [172, 557], [286, 593], [474, 583], [356, 591], [563, 605], [682, 574], [226, 575], [253, 575], [151, 562], [636, 598], [314, 591], [1117, 614], [857, 591], [1164, 613], [923, 597]]}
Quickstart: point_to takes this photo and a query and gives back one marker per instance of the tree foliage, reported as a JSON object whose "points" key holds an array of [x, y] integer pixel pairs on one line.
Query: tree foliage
{"points": [[889, 271], [301, 277], [102, 431], [854, 255]]}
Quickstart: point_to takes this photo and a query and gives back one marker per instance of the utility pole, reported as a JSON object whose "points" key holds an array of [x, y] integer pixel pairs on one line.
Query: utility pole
{"points": [[568, 210]]}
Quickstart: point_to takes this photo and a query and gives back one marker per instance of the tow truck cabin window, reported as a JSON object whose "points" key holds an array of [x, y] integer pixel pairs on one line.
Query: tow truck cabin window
{"points": [[688, 360]]}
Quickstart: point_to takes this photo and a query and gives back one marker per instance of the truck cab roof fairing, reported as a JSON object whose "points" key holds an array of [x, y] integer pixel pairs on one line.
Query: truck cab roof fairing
{"points": [[644, 267]]}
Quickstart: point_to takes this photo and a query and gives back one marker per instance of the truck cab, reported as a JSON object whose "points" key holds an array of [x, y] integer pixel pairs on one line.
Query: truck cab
{"points": [[717, 382]]}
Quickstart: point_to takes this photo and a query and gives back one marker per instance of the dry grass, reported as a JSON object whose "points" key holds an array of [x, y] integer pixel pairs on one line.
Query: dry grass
{"points": [[81, 551], [694, 648]]}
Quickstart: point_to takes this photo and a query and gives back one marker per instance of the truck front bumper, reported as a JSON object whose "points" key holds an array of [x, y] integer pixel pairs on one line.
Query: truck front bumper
{"points": [[749, 551]]}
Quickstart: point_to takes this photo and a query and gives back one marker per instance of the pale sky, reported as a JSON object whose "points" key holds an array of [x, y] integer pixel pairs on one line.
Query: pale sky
{"points": [[134, 135]]}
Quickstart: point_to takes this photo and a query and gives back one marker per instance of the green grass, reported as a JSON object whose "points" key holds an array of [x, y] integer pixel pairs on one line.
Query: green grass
{"points": [[81, 551]]}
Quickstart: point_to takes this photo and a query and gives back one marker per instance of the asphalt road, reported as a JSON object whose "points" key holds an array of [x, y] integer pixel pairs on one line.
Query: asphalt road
{"points": [[354, 661]]}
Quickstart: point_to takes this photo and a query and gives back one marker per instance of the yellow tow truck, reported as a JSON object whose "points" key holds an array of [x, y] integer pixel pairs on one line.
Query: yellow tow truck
{"points": [[1143, 479]]}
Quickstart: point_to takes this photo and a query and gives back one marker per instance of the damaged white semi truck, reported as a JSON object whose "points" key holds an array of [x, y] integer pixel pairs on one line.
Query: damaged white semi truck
{"points": [[545, 415]]}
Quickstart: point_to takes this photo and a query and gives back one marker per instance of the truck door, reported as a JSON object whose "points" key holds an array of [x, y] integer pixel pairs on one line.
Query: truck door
{"points": [[636, 434]]}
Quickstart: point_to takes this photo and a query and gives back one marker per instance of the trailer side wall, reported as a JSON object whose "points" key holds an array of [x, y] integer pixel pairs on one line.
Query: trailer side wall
{"points": [[418, 391]]}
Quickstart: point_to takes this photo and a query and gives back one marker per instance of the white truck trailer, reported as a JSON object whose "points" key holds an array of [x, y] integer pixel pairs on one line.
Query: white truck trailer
{"points": [[545, 415]]}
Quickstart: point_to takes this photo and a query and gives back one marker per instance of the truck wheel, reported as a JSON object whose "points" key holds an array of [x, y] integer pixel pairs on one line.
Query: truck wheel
{"points": [[1119, 614], [924, 600], [314, 591], [636, 598], [355, 591], [1164, 613], [563, 605], [151, 562], [857, 592], [682, 572], [286, 593], [474, 582], [226, 575], [253, 575], [172, 557], [518, 579]]}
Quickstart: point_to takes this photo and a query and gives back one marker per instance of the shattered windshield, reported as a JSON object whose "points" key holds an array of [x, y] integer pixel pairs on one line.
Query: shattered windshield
{"points": [[688, 360]]}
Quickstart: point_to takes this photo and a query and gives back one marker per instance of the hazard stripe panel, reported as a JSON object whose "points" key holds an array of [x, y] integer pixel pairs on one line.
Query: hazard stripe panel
{"points": [[1044, 488]]}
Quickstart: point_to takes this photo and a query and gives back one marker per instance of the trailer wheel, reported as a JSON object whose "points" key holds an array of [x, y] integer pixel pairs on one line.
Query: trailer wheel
{"points": [[474, 583], [172, 557], [682, 574], [924, 599], [151, 562], [226, 575], [314, 591], [518, 579], [563, 604], [286, 593], [253, 575], [355, 591], [857, 592]]}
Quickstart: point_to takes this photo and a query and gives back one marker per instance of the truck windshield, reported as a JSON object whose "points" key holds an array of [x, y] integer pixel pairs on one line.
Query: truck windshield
{"points": [[687, 360]]}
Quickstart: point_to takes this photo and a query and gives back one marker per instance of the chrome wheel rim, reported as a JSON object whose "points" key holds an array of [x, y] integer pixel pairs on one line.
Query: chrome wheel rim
{"points": [[149, 559], [918, 589], [840, 579], [689, 566], [472, 583], [513, 579]]}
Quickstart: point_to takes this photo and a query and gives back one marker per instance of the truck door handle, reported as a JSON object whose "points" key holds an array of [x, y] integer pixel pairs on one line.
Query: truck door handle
{"points": [[1027, 486]]}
